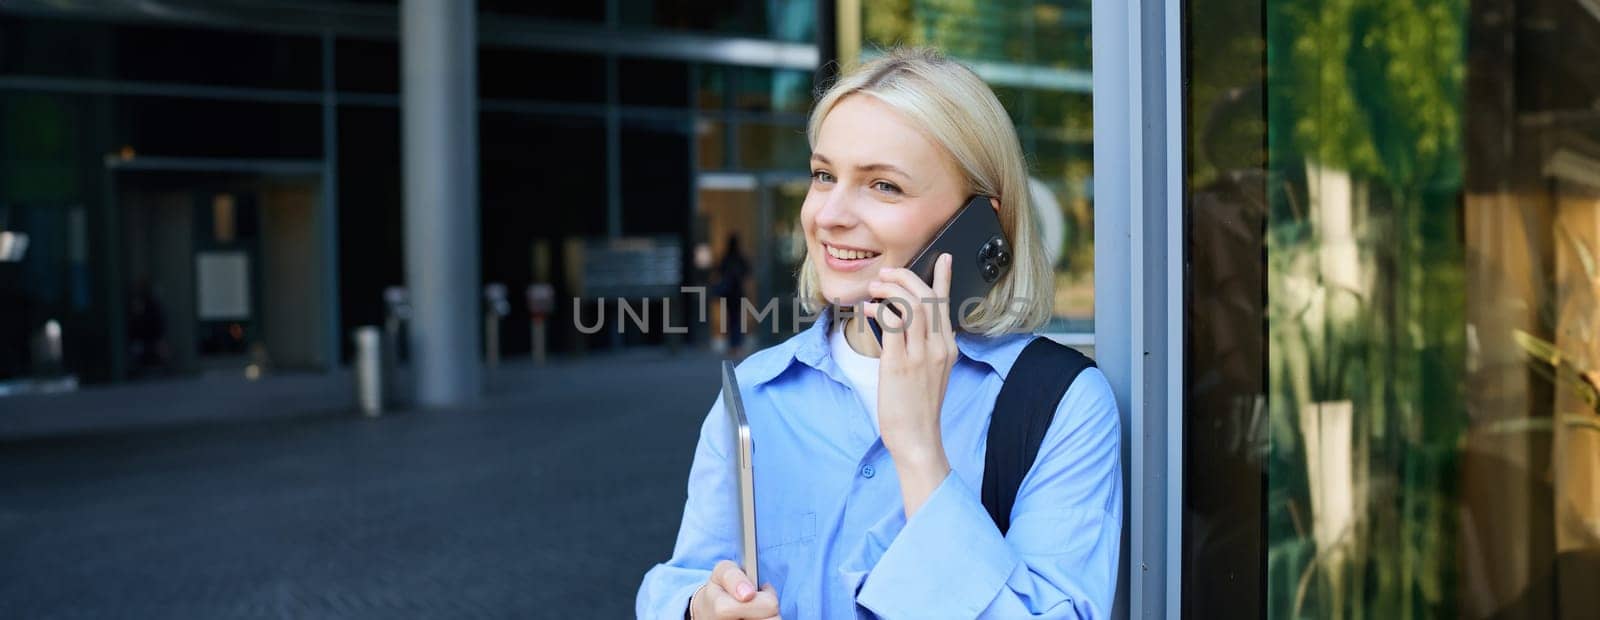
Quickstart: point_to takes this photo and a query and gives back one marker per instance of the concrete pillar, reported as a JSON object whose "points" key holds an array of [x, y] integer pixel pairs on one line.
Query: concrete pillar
{"points": [[438, 57]]}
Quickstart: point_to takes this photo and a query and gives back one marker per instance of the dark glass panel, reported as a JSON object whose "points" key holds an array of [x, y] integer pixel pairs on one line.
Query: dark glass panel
{"points": [[591, 12], [656, 179], [507, 73], [150, 53], [371, 214], [200, 128], [367, 66], [650, 82], [543, 180]]}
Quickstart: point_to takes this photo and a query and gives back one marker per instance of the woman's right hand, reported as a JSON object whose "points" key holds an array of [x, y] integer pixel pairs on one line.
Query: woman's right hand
{"points": [[729, 595]]}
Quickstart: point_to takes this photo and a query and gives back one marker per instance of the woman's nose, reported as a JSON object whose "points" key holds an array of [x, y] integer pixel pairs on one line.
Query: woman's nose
{"points": [[837, 210]]}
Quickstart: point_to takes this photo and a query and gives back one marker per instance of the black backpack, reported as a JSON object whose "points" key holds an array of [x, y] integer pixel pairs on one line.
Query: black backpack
{"points": [[1022, 413]]}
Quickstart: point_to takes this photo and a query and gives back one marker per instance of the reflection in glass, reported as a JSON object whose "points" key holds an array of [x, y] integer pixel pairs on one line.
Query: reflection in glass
{"points": [[711, 89], [788, 20], [1050, 33], [775, 90], [1422, 178], [764, 146], [710, 137]]}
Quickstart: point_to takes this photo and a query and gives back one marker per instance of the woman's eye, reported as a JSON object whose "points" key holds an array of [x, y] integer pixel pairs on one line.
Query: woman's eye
{"points": [[885, 186], [822, 176]]}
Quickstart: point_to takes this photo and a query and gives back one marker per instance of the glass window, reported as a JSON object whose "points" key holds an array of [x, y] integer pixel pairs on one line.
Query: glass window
{"points": [[711, 141], [1392, 384], [765, 146], [366, 66], [542, 178], [1069, 113], [1061, 192], [656, 181], [1033, 33], [148, 53], [549, 171], [566, 11], [507, 73], [792, 20], [590, 12], [52, 190], [711, 93], [371, 212], [204, 128], [1227, 434], [772, 90], [650, 82]]}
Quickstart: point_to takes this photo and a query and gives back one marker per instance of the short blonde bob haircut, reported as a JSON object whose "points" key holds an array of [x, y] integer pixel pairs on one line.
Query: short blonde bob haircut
{"points": [[956, 109]]}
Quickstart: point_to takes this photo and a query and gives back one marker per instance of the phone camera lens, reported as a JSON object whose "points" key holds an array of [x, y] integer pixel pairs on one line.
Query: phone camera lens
{"points": [[988, 250], [1003, 257], [990, 272]]}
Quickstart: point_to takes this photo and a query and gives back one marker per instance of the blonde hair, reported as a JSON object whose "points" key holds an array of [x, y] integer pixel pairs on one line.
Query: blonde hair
{"points": [[955, 108]]}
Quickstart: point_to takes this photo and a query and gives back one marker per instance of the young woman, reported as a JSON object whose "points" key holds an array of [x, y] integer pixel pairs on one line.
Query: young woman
{"points": [[869, 458]]}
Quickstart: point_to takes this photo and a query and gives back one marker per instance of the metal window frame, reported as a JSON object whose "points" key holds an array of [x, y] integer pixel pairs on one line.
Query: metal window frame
{"points": [[1139, 253]]}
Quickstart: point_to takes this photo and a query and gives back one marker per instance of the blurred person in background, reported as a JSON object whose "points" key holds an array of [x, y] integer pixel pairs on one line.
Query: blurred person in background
{"points": [[869, 457], [731, 272], [147, 330]]}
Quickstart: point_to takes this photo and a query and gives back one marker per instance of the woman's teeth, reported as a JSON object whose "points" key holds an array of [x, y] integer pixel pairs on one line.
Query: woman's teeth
{"points": [[849, 254]]}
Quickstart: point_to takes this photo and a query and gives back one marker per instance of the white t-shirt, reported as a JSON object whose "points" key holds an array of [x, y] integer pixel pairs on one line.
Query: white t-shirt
{"points": [[860, 370]]}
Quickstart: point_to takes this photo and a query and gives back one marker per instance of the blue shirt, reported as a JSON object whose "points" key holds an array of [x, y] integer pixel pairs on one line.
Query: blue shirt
{"points": [[832, 536]]}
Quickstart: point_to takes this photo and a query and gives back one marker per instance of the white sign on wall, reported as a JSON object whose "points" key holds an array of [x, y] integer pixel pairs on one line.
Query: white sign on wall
{"points": [[223, 280]]}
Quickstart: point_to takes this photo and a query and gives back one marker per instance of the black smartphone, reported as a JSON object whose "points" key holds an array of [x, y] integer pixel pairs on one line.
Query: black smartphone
{"points": [[980, 256]]}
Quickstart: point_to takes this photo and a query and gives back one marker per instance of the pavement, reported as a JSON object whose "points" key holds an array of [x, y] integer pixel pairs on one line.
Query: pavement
{"points": [[226, 498]]}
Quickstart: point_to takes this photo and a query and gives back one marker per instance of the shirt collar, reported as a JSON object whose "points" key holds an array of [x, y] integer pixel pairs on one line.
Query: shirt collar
{"points": [[810, 347]]}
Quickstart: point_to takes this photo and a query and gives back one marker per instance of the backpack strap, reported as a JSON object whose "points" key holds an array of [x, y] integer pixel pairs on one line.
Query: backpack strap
{"points": [[1022, 414]]}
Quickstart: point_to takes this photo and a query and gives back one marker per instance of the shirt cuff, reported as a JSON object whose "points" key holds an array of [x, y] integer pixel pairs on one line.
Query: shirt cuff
{"points": [[854, 570], [948, 560], [683, 597], [666, 592]]}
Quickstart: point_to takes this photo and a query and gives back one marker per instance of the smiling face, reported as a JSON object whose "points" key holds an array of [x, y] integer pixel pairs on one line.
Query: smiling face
{"points": [[880, 189]]}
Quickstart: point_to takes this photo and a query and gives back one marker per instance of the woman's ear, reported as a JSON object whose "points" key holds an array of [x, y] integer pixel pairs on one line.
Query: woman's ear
{"points": [[994, 202]]}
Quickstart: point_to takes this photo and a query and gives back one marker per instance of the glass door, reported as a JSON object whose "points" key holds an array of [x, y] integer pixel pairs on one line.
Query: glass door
{"points": [[748, 225]]}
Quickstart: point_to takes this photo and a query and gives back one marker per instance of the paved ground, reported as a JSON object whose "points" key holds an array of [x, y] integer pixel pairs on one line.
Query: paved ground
{"points": [[549, 500]]}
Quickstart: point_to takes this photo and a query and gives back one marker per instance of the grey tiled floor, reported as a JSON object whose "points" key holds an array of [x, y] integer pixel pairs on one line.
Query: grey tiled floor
{"points": [[548, 500]]}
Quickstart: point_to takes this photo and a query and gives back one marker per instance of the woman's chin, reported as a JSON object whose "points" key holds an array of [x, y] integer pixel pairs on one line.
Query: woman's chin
{"points": [[850, 298]]}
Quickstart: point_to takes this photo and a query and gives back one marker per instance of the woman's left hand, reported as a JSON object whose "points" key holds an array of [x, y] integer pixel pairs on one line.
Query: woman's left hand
{"points": [[914, 367]]}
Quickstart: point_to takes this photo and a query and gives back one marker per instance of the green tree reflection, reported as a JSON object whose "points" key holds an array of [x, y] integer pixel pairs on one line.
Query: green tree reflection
{"points": [[1366, 312]]}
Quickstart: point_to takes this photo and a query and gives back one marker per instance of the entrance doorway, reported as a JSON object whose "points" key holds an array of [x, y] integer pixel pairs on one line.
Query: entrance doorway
{"points": [[762, 211], [220, 273]]}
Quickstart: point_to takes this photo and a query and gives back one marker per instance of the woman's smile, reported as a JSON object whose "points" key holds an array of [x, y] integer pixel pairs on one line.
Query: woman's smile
{"points": [[848, 259]]}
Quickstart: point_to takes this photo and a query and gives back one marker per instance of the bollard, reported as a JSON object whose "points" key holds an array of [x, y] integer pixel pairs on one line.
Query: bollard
{"points": [[541, 300], [48, 358], [495, 307], [368, 370], [397, 305]]}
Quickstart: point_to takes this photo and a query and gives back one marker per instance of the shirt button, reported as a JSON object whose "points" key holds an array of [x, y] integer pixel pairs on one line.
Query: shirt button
{"points": [[868, 471]]}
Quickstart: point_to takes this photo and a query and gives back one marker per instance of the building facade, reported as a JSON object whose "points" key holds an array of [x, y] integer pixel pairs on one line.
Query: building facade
{"points": [[1337, 257]]}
